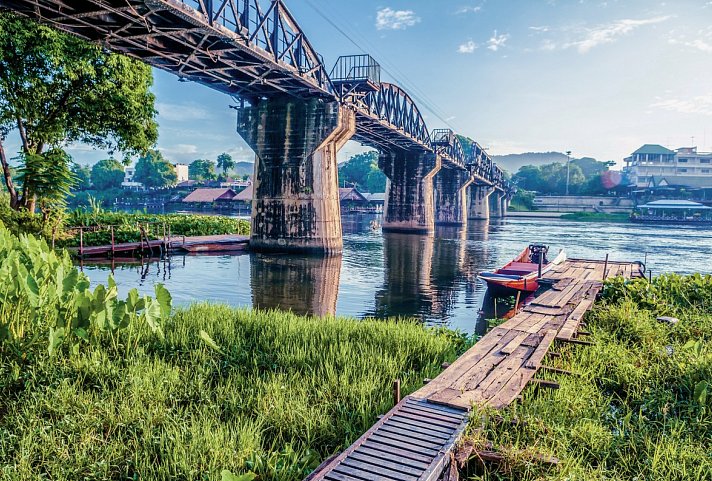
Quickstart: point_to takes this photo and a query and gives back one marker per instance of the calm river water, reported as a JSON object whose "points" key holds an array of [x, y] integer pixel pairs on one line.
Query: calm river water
{"points": [[430, 278]]}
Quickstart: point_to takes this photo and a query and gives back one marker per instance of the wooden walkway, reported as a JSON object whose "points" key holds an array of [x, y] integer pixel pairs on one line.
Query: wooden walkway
{"points": [[211, 243], [414, 440]]}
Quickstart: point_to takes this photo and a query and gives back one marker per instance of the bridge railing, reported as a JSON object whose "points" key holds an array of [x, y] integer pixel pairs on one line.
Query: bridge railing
{"points": [[447, 144], [356, 68], [269, 26]]}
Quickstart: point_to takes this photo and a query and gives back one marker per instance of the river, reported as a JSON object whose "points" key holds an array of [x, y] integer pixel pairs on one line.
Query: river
{"points": [[384, 275]]}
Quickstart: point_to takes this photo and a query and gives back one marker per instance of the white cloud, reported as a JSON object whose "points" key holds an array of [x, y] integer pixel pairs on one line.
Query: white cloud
{"points": [[699, 44], [182, 112], [467, 47], [497, 41], [468, 9], [541, 29], [179, 149], [389, 19], [548, 45], [609, 33], [701, 104]]}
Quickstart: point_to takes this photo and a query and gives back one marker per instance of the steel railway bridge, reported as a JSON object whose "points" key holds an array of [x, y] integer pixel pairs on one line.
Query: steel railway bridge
{"points": [[295, 114]]}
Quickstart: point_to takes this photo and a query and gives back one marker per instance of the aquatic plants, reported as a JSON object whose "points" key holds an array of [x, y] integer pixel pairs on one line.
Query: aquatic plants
{"points": [[639, 403]]}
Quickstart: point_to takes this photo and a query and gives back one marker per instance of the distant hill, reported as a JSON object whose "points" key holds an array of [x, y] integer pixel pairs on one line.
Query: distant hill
{"points": [[243, 168], [512, 162]]}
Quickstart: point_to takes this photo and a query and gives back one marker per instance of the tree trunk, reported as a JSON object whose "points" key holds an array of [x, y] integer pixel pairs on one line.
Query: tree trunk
{"points": [[7, 175]]}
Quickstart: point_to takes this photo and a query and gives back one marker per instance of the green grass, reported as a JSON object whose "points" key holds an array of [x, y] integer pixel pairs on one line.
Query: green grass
{"points": [[640, 407], [596, 217], [282, 393]]}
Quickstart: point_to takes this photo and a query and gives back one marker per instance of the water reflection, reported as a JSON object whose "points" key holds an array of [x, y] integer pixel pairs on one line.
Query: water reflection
{"points": [[430, 278], [304, 285]]}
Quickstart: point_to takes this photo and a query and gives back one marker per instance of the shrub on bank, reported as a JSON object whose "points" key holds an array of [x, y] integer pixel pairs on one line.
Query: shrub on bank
{"points": [[639, 405], [128, 392], [126, 226]]}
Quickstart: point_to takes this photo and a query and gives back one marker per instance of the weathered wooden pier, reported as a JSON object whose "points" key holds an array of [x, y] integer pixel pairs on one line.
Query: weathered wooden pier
{"points": [[415, 440]]}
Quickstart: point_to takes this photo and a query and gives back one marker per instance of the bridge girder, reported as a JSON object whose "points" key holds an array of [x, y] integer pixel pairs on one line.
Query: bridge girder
{"points": [[240, 47]]}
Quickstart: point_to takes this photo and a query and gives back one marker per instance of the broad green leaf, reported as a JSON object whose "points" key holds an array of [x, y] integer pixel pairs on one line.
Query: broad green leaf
{"points": [[164, 300], [226, 475], [701, 391]]}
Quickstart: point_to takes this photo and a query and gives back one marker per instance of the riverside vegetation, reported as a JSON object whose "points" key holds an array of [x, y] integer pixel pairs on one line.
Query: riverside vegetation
{"points": [[640, 404], [95, 387]]}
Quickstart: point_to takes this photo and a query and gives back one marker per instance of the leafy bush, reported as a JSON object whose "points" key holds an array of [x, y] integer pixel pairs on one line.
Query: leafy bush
{"points": [[126, 229], [47, 303]]}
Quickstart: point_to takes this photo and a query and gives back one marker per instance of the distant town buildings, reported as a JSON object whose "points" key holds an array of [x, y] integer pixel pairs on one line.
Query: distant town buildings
{"points": [[653, 166], [130, 172]]}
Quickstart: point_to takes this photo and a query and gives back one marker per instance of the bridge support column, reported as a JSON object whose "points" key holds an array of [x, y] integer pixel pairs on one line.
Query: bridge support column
{"points": [[497, 204], [409, 191], [295, 204], [451, 196], [480, 202]]}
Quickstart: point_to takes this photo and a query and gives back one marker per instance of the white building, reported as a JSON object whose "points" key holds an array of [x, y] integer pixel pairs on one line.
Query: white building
{"points": [[181, 172], [128, 183], [653, 166]]}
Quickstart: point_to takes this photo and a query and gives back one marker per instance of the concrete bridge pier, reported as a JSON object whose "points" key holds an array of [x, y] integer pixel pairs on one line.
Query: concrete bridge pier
{"points": [[451, 196], [480, 202], [497, 204], [409, 191], [295, 205]]}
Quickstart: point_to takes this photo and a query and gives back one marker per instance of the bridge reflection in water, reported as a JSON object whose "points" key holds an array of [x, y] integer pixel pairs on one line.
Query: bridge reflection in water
{"points": [[432, 278]]}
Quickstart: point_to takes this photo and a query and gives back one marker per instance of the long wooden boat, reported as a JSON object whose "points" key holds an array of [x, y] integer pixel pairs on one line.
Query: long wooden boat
{"points": [[521, 273]]}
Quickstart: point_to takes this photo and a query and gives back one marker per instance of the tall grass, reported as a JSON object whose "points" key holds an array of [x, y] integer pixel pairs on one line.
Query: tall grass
{"points": [[267, 392], [97, 388], [639, 408]]}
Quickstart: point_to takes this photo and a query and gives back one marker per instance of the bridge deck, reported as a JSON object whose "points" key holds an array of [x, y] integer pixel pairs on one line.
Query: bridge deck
{"points": [[413, 441]]}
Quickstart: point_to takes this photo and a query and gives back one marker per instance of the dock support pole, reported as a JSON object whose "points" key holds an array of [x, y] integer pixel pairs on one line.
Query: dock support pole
{"points": [[81, 241], [396, 391], [112, 241], [605, 268]]}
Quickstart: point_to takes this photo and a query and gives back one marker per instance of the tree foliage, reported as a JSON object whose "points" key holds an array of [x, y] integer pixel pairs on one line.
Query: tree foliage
{"points": [[107, 174], [362, 171], [201, 169], [155, 172], [225, 162], [56, 89], [82, 177], [586, 176]]}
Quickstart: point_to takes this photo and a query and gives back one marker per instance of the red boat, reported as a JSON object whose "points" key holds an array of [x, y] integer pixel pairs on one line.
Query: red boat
{"points": [[522, 273]]}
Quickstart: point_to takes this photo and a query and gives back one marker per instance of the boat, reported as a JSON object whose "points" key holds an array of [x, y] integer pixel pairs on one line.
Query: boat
{"points": [[521, 274]]}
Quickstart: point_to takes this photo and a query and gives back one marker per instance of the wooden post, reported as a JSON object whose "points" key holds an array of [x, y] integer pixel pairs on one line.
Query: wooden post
{"points": [[605, 268], [516, 304], [396, 391], [112, 243], [541, 260], [650, 276], [81, 241]]}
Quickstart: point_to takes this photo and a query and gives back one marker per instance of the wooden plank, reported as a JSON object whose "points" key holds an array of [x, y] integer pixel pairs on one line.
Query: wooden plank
{"points": [[429, 424], [512, 388], [538, 355], [409, 433], [391, 464], [514, 343], [425, 448], [365, 472], [428, 417], [425, 431], [374, 447], [505, 371]]}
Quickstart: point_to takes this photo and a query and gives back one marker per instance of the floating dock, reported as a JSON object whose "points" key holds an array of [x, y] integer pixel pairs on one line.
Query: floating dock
{"points": [[416, 439], [194, 244]]}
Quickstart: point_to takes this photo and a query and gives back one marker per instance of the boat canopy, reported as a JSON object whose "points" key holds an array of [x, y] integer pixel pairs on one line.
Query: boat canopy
{"points": [[674, 204]]}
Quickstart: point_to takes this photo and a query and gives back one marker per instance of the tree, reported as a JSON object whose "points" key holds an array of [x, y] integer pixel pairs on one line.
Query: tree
{"points": [[107, 174], [48, 177], [56, 89], [153, 171], [376, 181], [358, 168], [82, 177], [225, 162], [201, 169]]}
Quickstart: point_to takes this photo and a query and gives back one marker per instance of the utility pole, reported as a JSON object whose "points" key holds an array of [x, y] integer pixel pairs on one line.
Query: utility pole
{"points": [[568, 170]]}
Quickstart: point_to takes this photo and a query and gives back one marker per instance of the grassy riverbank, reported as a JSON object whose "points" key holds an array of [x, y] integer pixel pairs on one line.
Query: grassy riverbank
{"points": [[639, 406], [596, 217], [94, 387]]}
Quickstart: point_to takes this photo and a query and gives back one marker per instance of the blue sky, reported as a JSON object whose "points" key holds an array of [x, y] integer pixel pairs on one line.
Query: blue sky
{"points": [[597, 77]]}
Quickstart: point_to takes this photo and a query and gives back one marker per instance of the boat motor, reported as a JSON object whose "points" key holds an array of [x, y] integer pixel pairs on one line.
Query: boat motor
{"points": [[537, 253]]}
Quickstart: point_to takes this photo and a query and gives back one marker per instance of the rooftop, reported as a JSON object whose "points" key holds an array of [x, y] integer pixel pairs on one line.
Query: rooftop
{"points": [[674, 204], [654, 149], [209, 195]]}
